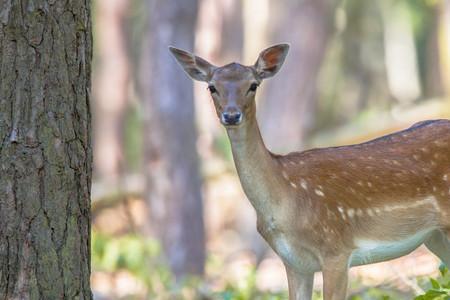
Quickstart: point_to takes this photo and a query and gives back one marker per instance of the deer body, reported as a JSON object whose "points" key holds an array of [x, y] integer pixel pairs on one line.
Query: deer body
{"points": [[333, 208]]}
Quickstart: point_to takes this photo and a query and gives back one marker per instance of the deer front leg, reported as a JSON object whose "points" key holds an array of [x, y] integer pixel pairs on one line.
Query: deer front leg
{"points": [[335, 278], [300, 284]]}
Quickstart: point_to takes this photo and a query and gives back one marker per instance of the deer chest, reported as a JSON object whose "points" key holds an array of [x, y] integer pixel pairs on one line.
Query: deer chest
{"points": [[288, 248]]}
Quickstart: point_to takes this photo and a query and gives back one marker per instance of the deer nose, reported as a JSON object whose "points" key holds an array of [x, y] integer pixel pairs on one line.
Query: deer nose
{"points": [[231, 117]]}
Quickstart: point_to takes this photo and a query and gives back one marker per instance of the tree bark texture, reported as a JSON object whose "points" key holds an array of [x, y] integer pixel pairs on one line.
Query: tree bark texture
{"points": [[45, 149], [171, 160], [286, 111]]}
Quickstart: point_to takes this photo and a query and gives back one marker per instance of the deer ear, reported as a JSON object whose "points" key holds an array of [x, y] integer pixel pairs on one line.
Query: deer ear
{"points": [[196, 67], [270, 60]]}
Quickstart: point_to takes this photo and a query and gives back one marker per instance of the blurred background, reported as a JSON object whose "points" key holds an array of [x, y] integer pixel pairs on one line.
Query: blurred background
{"points": [[170, 220]]}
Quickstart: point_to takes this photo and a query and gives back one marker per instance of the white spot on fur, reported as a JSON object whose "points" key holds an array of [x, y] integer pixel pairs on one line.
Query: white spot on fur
{"points": [[342, 212], [319, 192], [285, 175], [440, 143], [304, 184], [430, 200], [350, 212], [370, 212], [388, 208], [359, 212], [293, 184]]}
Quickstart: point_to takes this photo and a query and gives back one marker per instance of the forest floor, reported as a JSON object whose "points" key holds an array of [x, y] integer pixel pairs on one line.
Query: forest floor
{"points": [[236, 253]]}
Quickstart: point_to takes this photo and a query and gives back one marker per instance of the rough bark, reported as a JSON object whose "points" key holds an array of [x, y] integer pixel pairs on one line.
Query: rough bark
{"points": [[45, 154], [287, 108], [171, 160]]}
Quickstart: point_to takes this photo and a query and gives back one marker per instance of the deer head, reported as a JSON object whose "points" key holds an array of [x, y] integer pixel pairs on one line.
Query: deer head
{"points": [[233, 86]]}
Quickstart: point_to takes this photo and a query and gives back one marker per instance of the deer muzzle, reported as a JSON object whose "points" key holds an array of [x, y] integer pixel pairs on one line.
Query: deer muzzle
{"points": [[231, 117]]}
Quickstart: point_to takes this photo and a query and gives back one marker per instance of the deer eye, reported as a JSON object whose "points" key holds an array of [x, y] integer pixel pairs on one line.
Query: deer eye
{"points": [[253, 87], [212, 89]]}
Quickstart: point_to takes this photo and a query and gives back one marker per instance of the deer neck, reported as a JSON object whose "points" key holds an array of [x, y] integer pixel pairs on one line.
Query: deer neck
{"points": [[256, 166]]}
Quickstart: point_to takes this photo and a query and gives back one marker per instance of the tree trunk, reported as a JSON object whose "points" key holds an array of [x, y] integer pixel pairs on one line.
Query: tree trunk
{"points": [[45, 149], [110, 90], [444, 45], [287, 108], [232, 31], [171, 160]]}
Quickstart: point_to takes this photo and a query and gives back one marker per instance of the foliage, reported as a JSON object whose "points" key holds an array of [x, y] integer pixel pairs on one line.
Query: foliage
{"points": [[135, 254], [377, 294], [439, 288], [142, 258]]}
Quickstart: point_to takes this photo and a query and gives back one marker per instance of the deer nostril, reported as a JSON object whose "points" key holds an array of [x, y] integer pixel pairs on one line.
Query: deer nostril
{"points": [[231, 117]]}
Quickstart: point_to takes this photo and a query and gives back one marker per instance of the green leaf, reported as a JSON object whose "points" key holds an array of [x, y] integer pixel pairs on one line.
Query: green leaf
{"points": [[435, 284], [443, 269]]}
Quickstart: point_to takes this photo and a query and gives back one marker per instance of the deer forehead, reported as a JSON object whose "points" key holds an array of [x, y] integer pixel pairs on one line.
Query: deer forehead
{"points": [[233, 72]]}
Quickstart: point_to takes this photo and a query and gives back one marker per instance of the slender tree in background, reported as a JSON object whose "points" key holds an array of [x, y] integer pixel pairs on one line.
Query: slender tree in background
{"points": [[288, 104], [112, 89], [45, 149], [444, 44], [171, 162], [232, 32]]}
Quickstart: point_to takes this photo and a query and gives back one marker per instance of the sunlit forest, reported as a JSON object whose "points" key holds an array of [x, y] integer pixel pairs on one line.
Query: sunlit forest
{"points": [[169, 217]]}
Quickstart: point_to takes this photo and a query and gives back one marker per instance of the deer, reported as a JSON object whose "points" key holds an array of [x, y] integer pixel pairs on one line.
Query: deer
{"points": [[328, 209]]}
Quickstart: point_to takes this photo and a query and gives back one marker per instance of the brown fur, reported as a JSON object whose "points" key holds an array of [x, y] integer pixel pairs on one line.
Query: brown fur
{"points": [[327, 209]]}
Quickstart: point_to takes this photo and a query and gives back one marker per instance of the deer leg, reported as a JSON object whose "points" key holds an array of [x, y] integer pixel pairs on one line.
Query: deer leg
{"points": [[300, 285], [335, 278], [439, 244]]}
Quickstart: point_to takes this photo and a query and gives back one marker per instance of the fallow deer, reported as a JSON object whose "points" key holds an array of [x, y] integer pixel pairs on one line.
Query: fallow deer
{"points": [[333, 208]]}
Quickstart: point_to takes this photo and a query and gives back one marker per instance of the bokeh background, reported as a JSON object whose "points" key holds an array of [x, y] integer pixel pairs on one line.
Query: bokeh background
{"points": [[170, 220]]}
